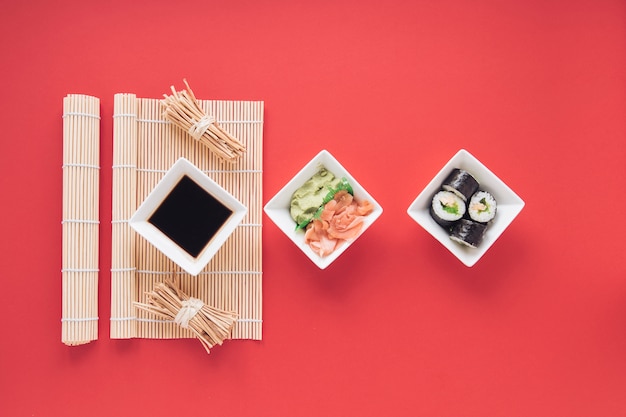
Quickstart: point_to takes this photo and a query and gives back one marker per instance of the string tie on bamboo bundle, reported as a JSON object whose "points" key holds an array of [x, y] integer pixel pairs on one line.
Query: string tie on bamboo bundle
{"points": [[188, 310], [198, 129]]}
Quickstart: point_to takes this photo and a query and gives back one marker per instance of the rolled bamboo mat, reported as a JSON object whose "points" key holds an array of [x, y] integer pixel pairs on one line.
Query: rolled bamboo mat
{"points": [[124, 204], [145, 146], [81, 188]]}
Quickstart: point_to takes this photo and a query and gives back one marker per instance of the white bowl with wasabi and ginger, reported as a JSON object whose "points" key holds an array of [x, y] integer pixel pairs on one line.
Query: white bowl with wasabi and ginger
{"points": [[487, 186], [323, 210]]}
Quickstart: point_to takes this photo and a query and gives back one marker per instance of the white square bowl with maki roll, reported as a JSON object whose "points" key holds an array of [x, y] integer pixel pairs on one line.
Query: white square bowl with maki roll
{"points": [[307, 218], [466, 207]]}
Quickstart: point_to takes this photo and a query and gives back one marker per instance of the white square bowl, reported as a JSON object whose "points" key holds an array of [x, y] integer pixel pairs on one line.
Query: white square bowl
{"points": [[509, 206], [140, 220], [277, 209]]}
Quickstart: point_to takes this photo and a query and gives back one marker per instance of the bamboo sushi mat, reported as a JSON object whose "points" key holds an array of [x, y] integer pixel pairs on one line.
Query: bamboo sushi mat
{"points": [[145, 146], [81, 221]]}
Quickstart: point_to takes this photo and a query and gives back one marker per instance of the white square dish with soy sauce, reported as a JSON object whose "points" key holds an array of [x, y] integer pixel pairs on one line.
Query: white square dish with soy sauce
{"points": [[188, 216], [466, 207]]}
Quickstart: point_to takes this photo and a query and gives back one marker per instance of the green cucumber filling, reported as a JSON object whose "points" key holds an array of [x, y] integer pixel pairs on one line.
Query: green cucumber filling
{"points": [[483, 201], [452, 209]]}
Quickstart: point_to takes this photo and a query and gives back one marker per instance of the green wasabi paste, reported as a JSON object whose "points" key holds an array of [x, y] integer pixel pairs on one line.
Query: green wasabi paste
{"points": [[310, 196]]}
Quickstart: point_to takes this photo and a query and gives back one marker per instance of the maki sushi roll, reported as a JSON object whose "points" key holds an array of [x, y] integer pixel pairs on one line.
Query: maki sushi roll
{"points": [[462, 209], [461, 183], [468, 232], [447, 208], [482, 207]]}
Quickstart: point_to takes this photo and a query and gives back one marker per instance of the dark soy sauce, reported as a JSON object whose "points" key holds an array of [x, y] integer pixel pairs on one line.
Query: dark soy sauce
{"points": [[190, 216]]}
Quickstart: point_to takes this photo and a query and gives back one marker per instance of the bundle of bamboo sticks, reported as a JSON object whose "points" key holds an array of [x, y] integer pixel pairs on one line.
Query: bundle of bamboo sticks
{"points": [[209, 324], [182, 109]]}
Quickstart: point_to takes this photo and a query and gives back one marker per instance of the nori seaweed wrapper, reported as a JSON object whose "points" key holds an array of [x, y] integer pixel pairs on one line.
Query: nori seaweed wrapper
{"points": [[446, 224], [469, 232], [461, 183]]}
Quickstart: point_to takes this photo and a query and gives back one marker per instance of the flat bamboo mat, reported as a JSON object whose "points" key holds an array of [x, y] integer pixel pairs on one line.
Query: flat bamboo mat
{"points": [[81, 221], [145, 146]]}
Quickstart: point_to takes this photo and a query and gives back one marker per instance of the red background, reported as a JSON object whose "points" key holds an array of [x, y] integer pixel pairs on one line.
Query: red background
{"points": [[397, 326]]}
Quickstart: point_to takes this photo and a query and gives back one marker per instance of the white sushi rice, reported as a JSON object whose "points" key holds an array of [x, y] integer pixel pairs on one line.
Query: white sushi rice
{"points": [[482, 207], [447, 198]]}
